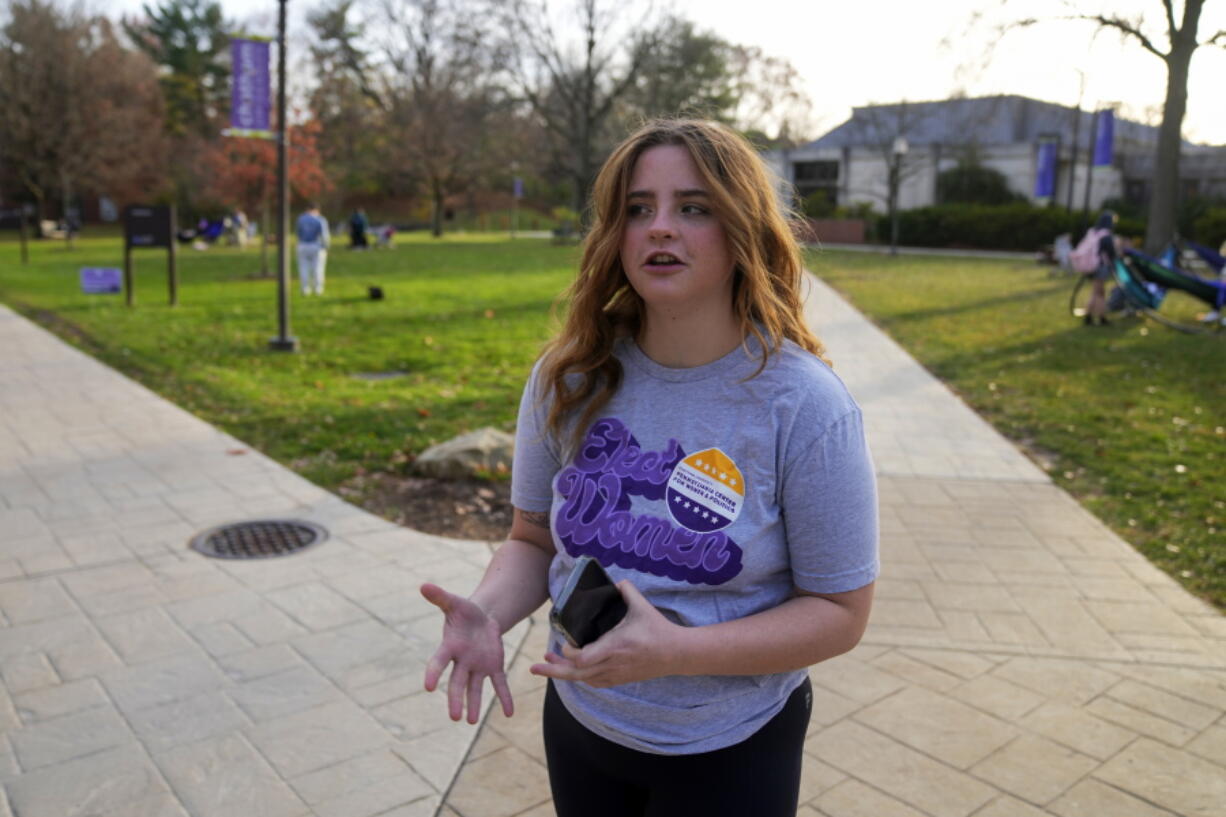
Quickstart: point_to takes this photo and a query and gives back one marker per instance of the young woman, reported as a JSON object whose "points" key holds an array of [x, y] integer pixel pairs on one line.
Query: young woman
{"points": [[1103, 236], [683, 430]]}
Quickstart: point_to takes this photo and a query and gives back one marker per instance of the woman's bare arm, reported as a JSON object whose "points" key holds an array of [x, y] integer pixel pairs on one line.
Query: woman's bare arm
{"points": [[803, 631], [516, 581]]}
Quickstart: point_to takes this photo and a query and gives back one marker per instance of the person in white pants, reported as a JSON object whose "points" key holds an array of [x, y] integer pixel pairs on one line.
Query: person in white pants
{"points": [[312, 229]]}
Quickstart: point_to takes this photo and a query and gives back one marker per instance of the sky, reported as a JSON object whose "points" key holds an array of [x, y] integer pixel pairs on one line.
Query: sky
{"points": [[859, 52]]}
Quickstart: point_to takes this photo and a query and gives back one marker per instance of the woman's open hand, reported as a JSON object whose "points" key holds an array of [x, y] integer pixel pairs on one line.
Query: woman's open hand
{"points": [[472, 642], [642, 646]]}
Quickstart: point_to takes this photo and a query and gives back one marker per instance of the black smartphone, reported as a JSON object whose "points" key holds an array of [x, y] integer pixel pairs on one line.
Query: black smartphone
{"points": [[589, 605]]}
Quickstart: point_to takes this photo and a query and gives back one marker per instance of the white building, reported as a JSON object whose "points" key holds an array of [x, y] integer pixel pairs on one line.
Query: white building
{"points": [[851, 163]]}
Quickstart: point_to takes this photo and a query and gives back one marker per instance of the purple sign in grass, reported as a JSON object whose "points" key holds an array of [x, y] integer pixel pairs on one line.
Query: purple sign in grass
{"points": [[249, 94], [101, 280], [1045, 170]]}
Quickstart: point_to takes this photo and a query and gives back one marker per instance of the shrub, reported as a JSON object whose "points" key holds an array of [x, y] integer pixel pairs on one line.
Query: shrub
{"points": [[1017, 226], [1210, 228], [817, 205], [974, 184]]}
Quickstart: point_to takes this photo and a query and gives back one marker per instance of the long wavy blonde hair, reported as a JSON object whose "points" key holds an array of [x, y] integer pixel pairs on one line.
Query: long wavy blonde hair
{"points": [[578, 369]]}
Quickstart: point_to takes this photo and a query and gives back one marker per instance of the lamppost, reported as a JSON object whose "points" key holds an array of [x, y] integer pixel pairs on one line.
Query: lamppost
{"points": [[898, 153], [283, 342]]}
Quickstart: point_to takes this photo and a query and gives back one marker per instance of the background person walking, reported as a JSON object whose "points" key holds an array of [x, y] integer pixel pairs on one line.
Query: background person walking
{"points": [[312, 229]]}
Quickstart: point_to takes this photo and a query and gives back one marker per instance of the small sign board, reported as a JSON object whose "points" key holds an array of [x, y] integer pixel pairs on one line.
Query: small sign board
{"points": [[147, 225], [101, 280]]}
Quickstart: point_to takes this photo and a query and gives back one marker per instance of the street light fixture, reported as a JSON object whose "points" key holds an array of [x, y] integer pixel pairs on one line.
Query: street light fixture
{"points": [[897, 154]]}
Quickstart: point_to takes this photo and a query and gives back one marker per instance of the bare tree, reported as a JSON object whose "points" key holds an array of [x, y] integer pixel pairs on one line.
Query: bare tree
{"points": [[1174, 42], [889, 131], [81, 111], [438, 95], [770, 97], [574, 80]]}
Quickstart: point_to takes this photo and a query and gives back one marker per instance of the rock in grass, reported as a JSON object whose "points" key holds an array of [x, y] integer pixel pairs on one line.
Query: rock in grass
{"points": [[477, 453]]}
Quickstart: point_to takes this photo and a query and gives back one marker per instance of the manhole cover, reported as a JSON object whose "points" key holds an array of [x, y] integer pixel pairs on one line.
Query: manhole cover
{"points": [[259, 539]]}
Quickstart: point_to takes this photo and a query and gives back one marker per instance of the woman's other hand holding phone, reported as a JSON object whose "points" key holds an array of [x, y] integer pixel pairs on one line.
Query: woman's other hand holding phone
{"points": [[639, 648]]}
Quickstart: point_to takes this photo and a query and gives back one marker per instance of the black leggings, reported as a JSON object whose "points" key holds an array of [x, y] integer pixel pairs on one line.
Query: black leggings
{"points": [[594, 777]]}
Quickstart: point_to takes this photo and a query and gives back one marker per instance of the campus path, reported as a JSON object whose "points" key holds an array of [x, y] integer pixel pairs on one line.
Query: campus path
{"points": [[1021, 660]]}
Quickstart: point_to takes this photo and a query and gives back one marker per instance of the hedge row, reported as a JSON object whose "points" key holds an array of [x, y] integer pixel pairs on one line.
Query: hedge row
{"points": [[1210, 228], [1018, 226]]}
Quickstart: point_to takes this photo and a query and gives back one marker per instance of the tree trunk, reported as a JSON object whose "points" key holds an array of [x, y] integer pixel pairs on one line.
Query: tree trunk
{"points": [[1164, 201], [265, 221], [436, 221], [65, 208]]}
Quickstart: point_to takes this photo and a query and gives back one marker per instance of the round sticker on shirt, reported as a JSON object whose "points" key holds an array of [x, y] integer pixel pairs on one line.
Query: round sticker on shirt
{"points": [[706, 491]]}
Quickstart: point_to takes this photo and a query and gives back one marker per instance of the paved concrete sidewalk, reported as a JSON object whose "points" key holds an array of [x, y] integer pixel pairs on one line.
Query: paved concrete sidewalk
{"points": [[1021, 660], [140, 679]]}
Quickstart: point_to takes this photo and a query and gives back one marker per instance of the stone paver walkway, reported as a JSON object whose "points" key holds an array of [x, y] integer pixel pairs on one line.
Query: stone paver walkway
{"points": [[140, 679], [1022, 660]]}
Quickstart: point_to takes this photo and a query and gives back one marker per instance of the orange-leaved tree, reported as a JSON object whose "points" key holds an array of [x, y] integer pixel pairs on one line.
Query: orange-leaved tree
{"points": [[242, 172]]}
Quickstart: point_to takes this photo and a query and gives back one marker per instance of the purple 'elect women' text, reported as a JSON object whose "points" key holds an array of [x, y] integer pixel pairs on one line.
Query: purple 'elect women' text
{"points": [[595, 517]]}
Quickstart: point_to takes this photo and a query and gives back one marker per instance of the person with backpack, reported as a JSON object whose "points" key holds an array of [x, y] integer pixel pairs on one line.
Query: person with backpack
{"points": [[313, 235], [1095, 255]]}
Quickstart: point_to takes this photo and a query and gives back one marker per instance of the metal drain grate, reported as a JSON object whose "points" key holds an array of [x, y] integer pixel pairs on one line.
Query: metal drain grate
{"points": [[259, 539]]}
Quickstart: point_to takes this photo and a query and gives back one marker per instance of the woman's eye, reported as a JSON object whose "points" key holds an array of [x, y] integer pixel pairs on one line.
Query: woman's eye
{"points": [[694, 210], [636, 210]]}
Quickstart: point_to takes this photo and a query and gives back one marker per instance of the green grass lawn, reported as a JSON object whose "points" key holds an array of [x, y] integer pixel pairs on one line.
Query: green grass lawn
{"points": [[1130, 419], [454, 338]]}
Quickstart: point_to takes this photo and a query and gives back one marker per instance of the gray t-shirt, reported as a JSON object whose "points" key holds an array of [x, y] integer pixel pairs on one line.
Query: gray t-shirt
{"points": [[715, 495]]}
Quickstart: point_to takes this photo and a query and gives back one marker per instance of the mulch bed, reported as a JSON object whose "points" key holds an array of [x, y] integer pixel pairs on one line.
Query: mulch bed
{"points": [[462, 509]]}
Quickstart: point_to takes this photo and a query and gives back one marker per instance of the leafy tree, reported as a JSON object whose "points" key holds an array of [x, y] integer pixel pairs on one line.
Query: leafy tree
{"points": [[683, 71], [346, 102], [81, 111], [190, 40], [243, 172]]}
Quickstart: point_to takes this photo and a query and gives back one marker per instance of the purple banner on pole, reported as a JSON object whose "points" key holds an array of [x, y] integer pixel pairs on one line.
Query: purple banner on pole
{"points": [[517, 187], [1045, 169], [249, 94], [1104, 144]]}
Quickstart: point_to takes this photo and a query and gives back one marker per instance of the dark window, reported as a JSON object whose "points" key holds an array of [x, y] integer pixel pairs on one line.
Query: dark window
{"points": [[815, 172]]}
